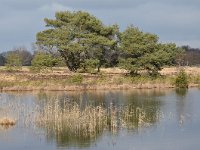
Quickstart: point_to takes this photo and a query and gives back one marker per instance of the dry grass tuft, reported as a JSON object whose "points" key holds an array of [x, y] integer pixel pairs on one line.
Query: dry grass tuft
{"points": [[7, 122]]}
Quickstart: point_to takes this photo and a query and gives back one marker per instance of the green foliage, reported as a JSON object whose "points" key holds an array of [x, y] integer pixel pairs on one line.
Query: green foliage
{"points": [[43, 61], [181, 80], [85, 44], [78, 36], [89, 65], [141, 51], [13, 62], [59, 62], [5, 84], [75, 79], [195, 79]]}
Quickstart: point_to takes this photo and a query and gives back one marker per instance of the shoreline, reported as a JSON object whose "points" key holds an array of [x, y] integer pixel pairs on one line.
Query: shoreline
{"points": [[93, 87], [59, 79]]}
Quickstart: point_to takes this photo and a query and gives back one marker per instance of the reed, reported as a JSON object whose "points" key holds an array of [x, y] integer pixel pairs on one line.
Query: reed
{"points": [[75, 121], [87, 122], [90, 121]]}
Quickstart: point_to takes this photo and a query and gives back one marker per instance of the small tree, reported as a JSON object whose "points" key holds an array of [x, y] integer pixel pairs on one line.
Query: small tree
{"points": [[89, 65], [13, 61], [181, 80], [42, 61]]}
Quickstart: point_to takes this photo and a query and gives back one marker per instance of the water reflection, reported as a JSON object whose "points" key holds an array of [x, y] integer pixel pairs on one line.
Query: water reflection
{"points": [[182, 107], [81, 118], [181, 91], [90, 120]]}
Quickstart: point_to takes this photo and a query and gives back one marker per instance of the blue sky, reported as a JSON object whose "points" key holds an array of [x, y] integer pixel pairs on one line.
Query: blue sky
{"points": [[172, 20]]}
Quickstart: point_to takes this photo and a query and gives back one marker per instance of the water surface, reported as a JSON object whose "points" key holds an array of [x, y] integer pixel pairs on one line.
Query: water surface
{"points": [[172, 120]]}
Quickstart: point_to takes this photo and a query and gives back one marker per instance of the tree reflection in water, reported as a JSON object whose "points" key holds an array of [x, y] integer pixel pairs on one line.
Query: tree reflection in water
{"points": [[182, 108], [79, 119]]}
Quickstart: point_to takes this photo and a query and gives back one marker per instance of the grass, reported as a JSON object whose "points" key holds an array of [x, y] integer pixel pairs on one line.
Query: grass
{"points": [[76, 79], [6, 84], [61, 79]]}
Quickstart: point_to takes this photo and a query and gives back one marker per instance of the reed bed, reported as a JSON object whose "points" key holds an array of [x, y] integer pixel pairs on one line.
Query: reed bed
{"points": [[67, 119], [91, 121]]}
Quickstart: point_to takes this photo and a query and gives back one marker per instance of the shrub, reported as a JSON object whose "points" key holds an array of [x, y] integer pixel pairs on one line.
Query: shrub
{"points": [[182, 79], [13, 62], [75, 79], [42, 61], [89, 65]]}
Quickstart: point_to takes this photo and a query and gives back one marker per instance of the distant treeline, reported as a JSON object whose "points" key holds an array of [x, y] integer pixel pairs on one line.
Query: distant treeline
{"points": [[21, 52], [190, 57]]}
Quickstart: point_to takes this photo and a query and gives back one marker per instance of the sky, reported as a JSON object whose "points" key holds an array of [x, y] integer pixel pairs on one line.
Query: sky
{"points": [[176, 21]]}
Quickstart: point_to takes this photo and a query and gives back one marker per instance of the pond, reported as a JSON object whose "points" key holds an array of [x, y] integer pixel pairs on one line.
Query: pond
{"points": [[133, 119]]}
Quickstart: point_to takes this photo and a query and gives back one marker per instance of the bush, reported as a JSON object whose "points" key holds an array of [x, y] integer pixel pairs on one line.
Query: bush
{"points": [[13, 62], [182, 79], [42, 61], [89, 65], [75, 79]]}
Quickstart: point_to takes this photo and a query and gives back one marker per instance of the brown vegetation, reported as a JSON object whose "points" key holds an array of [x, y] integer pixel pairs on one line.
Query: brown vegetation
{"points": [[7, 122], [61, 79], [90, 121]]}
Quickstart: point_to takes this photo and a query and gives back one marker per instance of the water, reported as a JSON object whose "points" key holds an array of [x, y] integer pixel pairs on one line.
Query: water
{"points": [[172, 121]]}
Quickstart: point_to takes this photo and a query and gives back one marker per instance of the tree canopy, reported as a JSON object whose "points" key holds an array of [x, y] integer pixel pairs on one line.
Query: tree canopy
{"points": [[142, 51], [85, 42], [78, 36], [41, 61]]}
